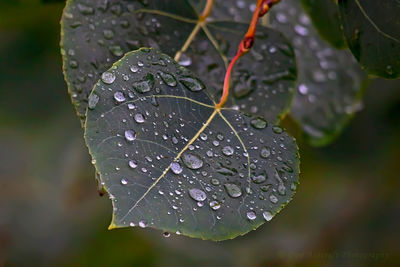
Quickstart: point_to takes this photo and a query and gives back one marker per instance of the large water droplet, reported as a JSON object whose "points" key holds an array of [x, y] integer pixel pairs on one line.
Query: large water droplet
{"points": [[227, 150], [267, 216], [258, 123], [144, 86], [143, 224], [93, 100], [119, 96], [169, 79], [258, 179], [197, 194], [192, 161], [176, 168], [132, 164], [233, 190], [139, 118], [192, 84], [130, 135], [215, 205], [251, 215], [108, 77], [265, 152]]}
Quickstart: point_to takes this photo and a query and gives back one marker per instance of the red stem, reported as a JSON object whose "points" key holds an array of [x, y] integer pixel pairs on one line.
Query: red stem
{"points": [[245, 45]]}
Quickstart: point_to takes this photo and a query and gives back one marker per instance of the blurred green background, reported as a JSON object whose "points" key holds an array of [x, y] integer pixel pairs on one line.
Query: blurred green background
{"points": [[346, 210]]}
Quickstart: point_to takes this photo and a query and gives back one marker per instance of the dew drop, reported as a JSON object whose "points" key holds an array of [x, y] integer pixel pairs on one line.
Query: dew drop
{"points": [[124, 181], [133, 164], [143, 224], [176, 168], [277, 129], [130, 135], [119, 96], [192, 161], [145, 85], [166, 234], [251, 215], [273, 198], [93, 100], [258, 179], [265, 152], [197, 194], [192, 84], [139, 118], [233, 190], [169, 79], [108, 77], [227, 150], [215, 205], [267, 216], [258, 123]]}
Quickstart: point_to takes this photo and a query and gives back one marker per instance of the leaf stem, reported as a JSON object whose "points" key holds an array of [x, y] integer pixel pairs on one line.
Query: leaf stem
{"points": [[207, 10], [245, 45]]}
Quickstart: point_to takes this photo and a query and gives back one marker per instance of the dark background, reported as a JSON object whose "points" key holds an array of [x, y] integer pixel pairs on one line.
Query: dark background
{"points": [[346, 209]]}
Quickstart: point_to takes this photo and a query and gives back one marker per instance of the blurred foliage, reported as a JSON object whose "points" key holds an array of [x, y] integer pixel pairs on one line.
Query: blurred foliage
{"points": [[346, 210]]}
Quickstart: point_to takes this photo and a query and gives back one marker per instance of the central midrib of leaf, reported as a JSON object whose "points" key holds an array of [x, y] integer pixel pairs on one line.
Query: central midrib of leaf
{"points": [[216, 111]]}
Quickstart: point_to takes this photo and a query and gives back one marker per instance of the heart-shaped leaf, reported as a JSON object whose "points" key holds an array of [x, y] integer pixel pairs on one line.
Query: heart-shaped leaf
{"points": [[329, 82], [372, 30], [96, 34], [172, 161], [326, 19]]}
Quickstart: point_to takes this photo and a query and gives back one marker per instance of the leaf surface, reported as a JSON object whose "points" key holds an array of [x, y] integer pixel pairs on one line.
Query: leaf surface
{"points": [[95, 35], [171, 161], [372, 30]]}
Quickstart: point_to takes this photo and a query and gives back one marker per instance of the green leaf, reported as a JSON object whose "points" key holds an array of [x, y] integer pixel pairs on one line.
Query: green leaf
{"points": [[326, 19], [96, 36], [330, 81], [170, 160], [372, 30]]}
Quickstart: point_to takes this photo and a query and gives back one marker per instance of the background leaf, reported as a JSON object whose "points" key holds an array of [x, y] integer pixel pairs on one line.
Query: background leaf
{"points": [[171, 161], [96, 36], [329, 80], [326, 19], [372, 30]]}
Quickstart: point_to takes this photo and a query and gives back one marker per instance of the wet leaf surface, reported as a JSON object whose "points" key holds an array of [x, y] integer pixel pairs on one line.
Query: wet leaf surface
{"points": [[95, 36], [171, 161], [372, 30]]}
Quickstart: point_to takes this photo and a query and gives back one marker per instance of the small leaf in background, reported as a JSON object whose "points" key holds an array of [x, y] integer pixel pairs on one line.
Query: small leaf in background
{"points": [[171, 161], [372, 30], [94, 34], [326, 19], [330, 81]]}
